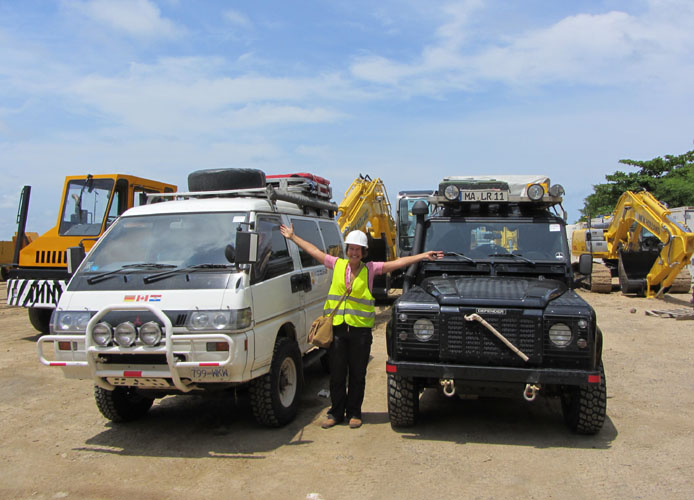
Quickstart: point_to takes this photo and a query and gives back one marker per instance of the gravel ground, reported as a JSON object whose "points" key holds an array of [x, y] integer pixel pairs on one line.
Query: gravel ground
{"points": [[55, 443]]}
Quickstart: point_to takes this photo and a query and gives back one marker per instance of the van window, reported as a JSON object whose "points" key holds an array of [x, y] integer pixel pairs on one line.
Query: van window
{"points": [[308, 230], [273, 254], [331, 235]]}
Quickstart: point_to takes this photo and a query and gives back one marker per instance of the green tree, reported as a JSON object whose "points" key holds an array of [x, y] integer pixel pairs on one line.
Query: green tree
{"points": [[670, 179]]}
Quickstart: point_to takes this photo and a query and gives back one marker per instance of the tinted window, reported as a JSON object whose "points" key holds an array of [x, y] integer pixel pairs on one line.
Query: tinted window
{"points": [[177, 239], [534, 240], [308, 230], [332, 239], [85, 207], [273, 254]]}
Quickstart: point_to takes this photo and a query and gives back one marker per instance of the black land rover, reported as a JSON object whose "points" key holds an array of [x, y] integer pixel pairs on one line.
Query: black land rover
{"points": [[498, 314]]}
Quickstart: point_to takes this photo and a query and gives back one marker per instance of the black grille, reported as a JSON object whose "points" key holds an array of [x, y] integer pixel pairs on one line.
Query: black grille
{"points": [[471, 342], [50, 257]]}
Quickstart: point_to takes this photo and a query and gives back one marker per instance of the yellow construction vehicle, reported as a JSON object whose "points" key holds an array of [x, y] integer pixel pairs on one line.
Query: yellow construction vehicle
{"points": [[641, 245], [90, 203], [366, 207]]}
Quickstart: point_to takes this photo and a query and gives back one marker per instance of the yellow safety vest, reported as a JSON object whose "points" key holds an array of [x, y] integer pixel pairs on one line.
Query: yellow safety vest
{"points": [[359, 307]]}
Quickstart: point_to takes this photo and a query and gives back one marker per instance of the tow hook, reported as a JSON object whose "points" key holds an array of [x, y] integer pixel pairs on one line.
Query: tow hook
{"points": [[530, 392], [448, 386]]}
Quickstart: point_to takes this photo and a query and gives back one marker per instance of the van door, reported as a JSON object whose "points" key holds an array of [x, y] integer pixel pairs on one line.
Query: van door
{"points": [[276, 299], [316, 275]]}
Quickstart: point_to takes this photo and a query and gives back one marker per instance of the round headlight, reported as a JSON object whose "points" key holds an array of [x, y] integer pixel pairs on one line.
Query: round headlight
{"points": [[125, 334], [199, 320], [66, 321], [451, 192], [102, 334], [423, 329], [220, 321], [535, 192], [556, 190], [560, 334], [150, 333]]}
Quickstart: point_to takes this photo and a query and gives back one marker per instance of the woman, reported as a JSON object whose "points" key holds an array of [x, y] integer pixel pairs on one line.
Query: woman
{"points": [[353, 321]]}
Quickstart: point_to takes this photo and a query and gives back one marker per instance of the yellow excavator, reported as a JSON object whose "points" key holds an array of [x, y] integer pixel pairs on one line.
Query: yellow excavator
{"points": [[366, 207], [640, 244]]}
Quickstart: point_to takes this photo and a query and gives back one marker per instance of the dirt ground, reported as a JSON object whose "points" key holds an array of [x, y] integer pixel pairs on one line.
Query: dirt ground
{"points": [[55, 443]]}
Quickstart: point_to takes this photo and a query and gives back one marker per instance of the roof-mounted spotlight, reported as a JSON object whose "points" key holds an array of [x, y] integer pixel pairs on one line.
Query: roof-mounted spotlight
{"points": [[536, 192]]}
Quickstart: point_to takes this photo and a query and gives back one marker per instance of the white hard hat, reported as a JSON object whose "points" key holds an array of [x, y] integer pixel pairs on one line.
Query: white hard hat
{"points": [[357, 238]]}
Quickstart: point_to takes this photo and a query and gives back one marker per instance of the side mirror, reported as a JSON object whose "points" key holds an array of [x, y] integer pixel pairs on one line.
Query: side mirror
{"points": [[75, 256], [585, 264], [246, 249]]}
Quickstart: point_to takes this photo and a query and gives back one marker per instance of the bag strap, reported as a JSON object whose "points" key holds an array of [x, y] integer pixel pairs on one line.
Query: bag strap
{"points": [[347, 292]]}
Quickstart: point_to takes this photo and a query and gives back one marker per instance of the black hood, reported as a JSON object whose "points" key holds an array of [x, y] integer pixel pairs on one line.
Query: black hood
{"points": [[500, 291]]}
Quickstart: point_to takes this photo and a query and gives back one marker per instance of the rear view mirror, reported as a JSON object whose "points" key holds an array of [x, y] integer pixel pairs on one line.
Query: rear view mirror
{"points": [[246, 249], [585, 264], [75, 256]]}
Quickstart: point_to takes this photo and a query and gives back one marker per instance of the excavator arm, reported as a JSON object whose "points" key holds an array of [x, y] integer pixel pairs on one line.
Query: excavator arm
{"points": [[366, 207], [636, 217]]}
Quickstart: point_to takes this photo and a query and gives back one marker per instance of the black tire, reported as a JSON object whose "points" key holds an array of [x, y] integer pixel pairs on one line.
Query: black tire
{"points": [[403, 401], [123, 404], [585, 406], [275, 395], [40, 319], [219, 179]]}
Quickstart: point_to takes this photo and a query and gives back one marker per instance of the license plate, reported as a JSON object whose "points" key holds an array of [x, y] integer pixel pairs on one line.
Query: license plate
{"points": [[138, 382], [488, 196]]}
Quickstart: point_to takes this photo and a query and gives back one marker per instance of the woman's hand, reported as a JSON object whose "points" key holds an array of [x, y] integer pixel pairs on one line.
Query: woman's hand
{"points": [[287, 232], [433, 255]]}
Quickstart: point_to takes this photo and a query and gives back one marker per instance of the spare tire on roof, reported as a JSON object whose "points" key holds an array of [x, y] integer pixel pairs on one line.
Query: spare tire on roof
{"points": [[221, 179]]}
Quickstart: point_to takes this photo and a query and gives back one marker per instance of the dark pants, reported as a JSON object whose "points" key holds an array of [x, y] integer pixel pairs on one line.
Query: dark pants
{"points": [[348, 356]]}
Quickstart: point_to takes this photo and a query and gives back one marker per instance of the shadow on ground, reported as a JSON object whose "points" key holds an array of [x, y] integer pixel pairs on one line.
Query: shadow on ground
{"points": [[515, 422], [222, 426]]}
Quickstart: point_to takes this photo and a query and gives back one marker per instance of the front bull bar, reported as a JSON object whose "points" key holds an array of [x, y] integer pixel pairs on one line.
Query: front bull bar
{"points": [[93, 350]]}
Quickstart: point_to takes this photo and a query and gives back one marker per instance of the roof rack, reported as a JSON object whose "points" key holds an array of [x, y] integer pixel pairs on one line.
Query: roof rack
{"points": [[302, 183], [289, 194]]}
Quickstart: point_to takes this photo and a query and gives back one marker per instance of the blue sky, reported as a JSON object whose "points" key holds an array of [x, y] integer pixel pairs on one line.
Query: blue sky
{"points": [[409, 91]]}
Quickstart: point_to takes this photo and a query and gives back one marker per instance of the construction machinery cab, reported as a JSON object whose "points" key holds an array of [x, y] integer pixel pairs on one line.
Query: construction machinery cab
{"points": [[89, 205]]}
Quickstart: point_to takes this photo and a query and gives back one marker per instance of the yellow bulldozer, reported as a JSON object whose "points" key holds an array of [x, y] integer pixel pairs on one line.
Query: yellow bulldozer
{"points": [[641, 245]]}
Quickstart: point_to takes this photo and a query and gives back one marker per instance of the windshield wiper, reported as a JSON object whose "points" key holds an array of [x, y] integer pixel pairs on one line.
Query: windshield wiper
{"points": [[456, 254], [197, 267], [515, 255], [108, 274]]}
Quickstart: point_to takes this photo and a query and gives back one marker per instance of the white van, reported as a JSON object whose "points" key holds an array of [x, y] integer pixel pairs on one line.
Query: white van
{"points": [[198, 293]]}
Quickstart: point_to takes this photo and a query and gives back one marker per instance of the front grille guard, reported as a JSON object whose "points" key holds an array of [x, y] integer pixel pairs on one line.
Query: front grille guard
{"points": [[93, 351]]}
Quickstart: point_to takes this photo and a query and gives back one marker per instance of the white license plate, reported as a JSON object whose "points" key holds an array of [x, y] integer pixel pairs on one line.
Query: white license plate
{"points": [[138, 381], [488, 196]]}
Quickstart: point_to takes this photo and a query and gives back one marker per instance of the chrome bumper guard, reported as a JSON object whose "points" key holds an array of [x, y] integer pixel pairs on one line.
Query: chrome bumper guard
{"points": [[93, 351]]}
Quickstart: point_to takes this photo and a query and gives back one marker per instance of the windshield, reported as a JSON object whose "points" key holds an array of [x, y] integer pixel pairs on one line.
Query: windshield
{"points": [[84, 207], [482, 239], [179, 240]]}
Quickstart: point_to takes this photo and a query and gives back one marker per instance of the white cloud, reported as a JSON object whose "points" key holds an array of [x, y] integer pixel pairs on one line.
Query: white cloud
{"points": [[182, 96], [138, 18], [611, 48], [237, 18]]}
